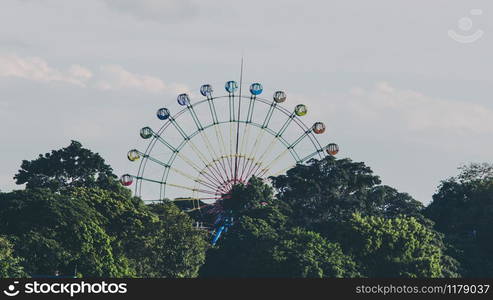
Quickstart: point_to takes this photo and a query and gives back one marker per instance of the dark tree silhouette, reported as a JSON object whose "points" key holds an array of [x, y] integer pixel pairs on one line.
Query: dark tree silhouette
{"points": [[72, 166]]}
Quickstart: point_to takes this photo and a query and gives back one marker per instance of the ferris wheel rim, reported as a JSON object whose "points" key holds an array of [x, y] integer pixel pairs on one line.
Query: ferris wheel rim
{"points": [[297, 120]]}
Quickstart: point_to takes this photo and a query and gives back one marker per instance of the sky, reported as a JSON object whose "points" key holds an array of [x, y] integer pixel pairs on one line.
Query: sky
{"points": [[404, 86]]}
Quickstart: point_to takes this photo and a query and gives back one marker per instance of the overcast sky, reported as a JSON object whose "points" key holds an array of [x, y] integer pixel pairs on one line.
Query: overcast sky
{"points": [[393, 87]]}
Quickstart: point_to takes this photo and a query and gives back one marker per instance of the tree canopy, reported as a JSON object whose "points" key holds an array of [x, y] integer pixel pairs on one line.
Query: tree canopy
{"points": [[72, 166], [326, 218], [462, 209], [10, 265], [325, 192], [100, 233]]}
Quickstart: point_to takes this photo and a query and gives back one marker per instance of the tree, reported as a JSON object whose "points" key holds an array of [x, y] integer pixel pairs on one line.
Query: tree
{"points": [[59, 233], [326, 192], [260, 244], [73, 166], [101, 234], [76, 216], [462, 209], [306, 254], [10, 265], [254, 248], [392, 247], [170, 247], [475, 171], [253, 195]]}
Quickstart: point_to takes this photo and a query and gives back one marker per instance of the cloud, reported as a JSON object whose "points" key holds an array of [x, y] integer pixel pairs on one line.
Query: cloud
{"points": [[385, 111], [164, 11], [37, 69], [108, 77], [115, 77], [419, 113]]}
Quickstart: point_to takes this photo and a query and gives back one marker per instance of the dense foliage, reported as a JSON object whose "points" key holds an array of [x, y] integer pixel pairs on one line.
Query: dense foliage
{"points": [[327, 218], [72, 166], [463, 210], [271, 238], [10, 265], [92, 227]]}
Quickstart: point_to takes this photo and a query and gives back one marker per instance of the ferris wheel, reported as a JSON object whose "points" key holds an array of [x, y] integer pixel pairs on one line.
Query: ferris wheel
{"points": [[199, 153]]}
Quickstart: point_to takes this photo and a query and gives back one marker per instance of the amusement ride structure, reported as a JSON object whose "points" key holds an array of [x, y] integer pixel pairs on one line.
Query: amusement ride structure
{"points": [[199, 153]]}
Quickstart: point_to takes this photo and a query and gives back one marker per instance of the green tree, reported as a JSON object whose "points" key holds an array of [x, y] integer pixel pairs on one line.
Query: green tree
{"points": [[392, 247], [260, 244], [10, 265], [326, 192], [253, 195], [101, 233], [59, 233], [73, 166], [75, 215], [170, 246], [306, 254], [254, 248], [463, 210]]}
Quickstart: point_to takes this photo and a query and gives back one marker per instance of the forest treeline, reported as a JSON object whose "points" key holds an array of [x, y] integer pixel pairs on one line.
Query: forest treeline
{"points": [[327, 218]]}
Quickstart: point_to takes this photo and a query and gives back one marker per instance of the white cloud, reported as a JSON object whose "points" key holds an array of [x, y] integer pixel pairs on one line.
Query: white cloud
{"points": [[115, 77], [392, 112], [37, 69], [80, 72], [108, 77], [157, 10], [418, 113]]}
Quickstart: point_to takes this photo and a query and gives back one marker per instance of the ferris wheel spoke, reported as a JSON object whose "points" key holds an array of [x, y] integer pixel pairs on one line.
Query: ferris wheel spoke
{"points": [[157, 161], [244, 172], [206, 170], [267, 150], [188, 139], [231, 147], [196, 179], [277, 135], [164, 142], [196, 168], [212, 166], [219, 137], [179, 128], [238, 128], [281, 171], [253, 152], [246, 134], [269, 165], [251, 108], [218, 183], [260, 135], [212, 108], [224, 151], [195, 119], [172, 184], [212, 173], [195, 199], [193, 189], [286, 125], [269, 114], [298, 140], [200, 129], [313, 154], [214, 156]]}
